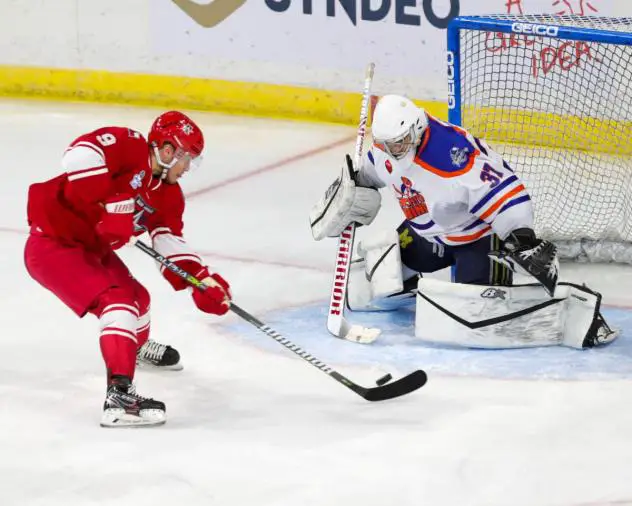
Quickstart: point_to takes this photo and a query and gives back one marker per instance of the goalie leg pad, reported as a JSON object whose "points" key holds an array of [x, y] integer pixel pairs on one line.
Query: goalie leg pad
{"points": [[376, 282], [508, 317], [383, 263]]}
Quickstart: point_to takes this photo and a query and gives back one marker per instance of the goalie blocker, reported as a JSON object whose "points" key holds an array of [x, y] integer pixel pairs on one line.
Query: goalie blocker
{"points": [[510, 317]]}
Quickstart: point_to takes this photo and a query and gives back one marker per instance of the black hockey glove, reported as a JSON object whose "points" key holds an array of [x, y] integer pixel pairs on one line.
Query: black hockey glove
{"points": [[524, 253]]}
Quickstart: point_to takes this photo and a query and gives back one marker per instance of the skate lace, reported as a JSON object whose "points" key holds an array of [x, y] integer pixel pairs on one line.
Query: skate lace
{"points": [[132, 392], [152, 350], [120, 398]]}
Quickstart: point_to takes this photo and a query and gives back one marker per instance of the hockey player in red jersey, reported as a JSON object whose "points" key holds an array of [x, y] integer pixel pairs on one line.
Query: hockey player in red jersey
{"points": [[115, 185]]}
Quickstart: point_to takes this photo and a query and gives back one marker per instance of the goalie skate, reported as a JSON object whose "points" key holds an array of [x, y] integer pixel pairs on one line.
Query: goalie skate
{"points": [[123, 407], [600, 334], [153, 355]]}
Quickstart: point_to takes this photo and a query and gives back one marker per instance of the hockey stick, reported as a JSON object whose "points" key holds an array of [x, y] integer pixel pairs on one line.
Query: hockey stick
{"points": [[397, 388], [336, 322]]}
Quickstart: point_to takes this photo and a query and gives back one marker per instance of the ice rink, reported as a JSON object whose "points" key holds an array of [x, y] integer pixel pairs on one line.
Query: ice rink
{"points": [[248, 422]]}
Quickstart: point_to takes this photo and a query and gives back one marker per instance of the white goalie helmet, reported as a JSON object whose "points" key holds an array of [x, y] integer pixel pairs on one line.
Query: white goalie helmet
{"points": [[398, 125]]}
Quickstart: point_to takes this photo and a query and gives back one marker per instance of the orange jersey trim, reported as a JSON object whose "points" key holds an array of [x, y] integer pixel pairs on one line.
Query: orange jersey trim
{"points": [[498, 203], [470, 237], [439, 172]]}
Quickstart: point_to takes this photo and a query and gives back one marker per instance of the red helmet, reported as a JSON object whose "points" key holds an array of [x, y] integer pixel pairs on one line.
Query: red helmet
{"points": [[178, 130]]}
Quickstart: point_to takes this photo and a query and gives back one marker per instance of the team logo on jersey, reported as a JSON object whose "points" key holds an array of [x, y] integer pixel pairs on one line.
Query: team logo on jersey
{"points": [[389, 166], [137, 180], [493, 293], [410, 200], [187, 128], [459, 156]]}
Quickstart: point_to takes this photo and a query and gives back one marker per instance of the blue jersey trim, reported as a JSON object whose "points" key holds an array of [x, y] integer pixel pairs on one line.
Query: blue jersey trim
{"points": [[514, 202], [489, 195], [474, 225], [424, 226]]}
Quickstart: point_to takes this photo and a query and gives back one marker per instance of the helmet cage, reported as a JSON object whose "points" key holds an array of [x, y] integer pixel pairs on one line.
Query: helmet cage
{"points": [[398, 147]]}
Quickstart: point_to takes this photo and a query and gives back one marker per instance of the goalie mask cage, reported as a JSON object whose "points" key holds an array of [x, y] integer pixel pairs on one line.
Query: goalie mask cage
{"points": [[553, 95]]}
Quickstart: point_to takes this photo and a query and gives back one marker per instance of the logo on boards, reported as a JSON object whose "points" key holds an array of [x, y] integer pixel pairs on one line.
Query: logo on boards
{"points": [[209, 14]]}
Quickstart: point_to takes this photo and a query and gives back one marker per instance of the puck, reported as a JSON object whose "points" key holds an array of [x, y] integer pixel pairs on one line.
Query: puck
{"points": [[383, 380]]}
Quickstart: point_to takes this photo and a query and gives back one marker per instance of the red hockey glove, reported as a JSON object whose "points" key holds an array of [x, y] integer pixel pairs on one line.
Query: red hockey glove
{"points": [[216, 298], [117, 221]]}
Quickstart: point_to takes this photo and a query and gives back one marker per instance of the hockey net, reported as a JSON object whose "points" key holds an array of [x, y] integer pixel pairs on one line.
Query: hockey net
{"points": [[558, 106]]}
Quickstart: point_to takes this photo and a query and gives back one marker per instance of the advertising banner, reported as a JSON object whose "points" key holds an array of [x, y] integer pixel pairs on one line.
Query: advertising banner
{"points": [[327, 43]]}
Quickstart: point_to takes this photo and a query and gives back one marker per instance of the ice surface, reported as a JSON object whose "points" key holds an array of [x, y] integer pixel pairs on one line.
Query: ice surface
{"points": [[251, 424]]}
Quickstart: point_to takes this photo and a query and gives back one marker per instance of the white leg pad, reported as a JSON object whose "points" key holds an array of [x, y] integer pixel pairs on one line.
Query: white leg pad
{"points": [[379, 275], [383, 263], [503, 317]]}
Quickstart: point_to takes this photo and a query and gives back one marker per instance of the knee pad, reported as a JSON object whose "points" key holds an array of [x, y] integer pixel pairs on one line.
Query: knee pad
{"points": [[376, 281], [383, 263]]}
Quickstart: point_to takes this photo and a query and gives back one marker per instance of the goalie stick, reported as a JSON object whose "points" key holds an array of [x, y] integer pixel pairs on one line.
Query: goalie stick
{"points": [[336, 322], [400, 387]]}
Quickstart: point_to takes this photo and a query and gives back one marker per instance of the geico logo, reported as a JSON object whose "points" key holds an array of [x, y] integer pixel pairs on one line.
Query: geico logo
{"points": [[529, 29], [451, 84]]}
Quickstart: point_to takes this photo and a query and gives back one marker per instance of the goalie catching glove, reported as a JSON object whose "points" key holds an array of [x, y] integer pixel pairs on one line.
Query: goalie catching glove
{"points": [[524, 253], [343, 203]]}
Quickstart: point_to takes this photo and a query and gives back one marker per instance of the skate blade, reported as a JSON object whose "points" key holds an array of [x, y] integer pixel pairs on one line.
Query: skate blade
{"points": [[148, 366], [119, 418]]}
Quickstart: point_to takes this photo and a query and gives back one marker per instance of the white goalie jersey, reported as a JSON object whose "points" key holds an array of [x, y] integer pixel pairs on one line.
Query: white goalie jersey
{"points": [[454, 189]]}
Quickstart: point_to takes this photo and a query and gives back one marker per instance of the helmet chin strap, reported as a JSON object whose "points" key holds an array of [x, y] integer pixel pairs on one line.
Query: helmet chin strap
{"points": [[165, 166]]}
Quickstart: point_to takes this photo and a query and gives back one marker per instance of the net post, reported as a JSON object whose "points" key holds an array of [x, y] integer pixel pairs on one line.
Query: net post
{"points": [[454, 72]]}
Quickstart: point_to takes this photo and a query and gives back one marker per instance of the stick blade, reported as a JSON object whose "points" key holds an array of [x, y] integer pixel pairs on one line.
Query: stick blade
{"points": [[402, 386]]}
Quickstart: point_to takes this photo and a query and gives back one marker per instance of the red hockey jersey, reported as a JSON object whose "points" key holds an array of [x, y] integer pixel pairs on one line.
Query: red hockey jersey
{"points": [[107, 162], [104, 163], [159, 211]]}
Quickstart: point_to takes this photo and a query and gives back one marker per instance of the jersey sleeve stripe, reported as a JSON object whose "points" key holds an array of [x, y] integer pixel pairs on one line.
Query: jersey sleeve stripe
{"points": [[489, 195], [501, 201], [160, 230], [86, 144], [73, 176], [474, 225], [514, 202]]}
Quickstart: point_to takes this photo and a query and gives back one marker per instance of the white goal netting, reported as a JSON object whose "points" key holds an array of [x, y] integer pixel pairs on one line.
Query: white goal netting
{"points": [[560, 111]]}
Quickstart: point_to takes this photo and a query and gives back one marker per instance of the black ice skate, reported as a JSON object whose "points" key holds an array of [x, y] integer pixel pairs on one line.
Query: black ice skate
{"points": [[123, 407], [154, 355]]}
